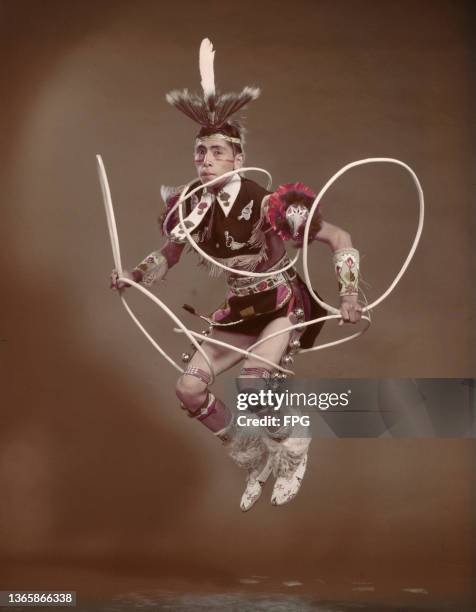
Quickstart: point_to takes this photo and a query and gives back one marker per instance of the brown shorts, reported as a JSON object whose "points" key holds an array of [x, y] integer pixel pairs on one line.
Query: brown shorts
{"points": [[250, 314]]}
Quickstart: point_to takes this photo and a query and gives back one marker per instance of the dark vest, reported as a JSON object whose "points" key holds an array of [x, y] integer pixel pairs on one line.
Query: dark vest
{"points": [[223, 237]]}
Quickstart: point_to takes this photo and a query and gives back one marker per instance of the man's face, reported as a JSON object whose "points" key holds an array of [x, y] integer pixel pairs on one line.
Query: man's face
{"points": [[214, 157]]}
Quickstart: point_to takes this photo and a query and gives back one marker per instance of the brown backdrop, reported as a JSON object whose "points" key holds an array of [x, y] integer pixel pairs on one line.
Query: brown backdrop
{"points": [[98, 467]]}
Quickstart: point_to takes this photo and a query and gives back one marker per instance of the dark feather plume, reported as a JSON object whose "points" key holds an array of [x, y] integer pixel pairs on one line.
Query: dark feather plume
{"points": [[215, 111], [211, 110]]}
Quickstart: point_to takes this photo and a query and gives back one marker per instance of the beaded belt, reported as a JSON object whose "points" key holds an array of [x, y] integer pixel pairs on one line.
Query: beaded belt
{"points": [[241, 285]]}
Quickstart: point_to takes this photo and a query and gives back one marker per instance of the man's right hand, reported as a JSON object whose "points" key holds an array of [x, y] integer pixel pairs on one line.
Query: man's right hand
{"points": [[117, 284]]}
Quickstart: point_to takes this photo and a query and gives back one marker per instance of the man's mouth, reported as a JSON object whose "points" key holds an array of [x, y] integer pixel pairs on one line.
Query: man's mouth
{"points": [[207, 176]]}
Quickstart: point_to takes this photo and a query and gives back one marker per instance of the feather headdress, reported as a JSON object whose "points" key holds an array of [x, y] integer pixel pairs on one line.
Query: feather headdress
{"points": [[212, 110]]}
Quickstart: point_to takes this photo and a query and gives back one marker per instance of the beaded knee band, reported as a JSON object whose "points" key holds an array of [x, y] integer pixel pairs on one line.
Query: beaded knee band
{"points": [[198, 373], [256, 372], [206, 409]]}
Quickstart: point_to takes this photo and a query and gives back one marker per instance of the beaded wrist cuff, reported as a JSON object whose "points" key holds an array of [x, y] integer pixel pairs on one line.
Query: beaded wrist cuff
{"points": [[346, 265], [153, 267]]}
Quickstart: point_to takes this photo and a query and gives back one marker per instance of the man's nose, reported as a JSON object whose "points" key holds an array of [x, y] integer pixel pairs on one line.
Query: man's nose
{"points": [[207, 159]]}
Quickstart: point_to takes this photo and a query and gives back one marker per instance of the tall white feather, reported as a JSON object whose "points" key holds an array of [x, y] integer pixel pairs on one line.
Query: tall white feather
{"points": [[206, 57]]}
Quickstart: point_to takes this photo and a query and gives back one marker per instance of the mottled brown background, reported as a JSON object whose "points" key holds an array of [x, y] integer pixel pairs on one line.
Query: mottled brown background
{"points": [[101, 476]]}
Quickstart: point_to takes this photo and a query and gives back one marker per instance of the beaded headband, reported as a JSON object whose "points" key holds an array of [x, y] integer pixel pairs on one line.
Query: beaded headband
{"points": [[221, 136]]}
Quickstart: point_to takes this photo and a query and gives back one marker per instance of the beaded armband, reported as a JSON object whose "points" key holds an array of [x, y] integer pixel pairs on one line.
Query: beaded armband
{"points": [[346, 265], [153, 267]]}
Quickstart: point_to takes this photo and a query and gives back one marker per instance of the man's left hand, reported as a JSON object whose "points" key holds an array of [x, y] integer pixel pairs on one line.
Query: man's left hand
{"points": [[350, 309]]}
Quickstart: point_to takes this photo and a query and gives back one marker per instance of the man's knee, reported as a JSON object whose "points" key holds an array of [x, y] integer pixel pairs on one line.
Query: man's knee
{"points": [[191, 392], [188, 387]]}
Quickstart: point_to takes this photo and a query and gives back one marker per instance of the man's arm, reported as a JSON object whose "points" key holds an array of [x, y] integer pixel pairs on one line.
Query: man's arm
{"points": [[334, 236], [341, 244], [152, 268], [155, 266], [172, 251], [287, 210]]}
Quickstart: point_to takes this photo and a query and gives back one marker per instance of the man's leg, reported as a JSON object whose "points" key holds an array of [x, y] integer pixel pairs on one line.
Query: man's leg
{"points": [[193, 386], [253, 379], [199, 402], [287, 452]]}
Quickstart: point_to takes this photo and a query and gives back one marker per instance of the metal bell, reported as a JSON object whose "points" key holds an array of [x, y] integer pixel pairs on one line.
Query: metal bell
{"points": [[295, 345], [186, 357], [205, 332], [287, 360]]}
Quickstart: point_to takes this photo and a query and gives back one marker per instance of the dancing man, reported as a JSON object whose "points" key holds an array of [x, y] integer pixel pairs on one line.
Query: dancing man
{"points": [[240, 224]]}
